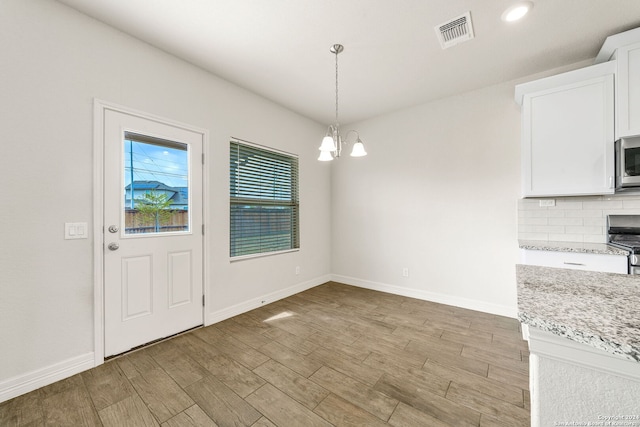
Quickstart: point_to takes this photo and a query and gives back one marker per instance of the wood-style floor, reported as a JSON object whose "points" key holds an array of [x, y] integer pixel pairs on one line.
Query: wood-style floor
{"points": [[334, 355]]}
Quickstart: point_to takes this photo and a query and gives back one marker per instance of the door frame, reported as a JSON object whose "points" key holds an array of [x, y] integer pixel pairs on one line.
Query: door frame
{"points": [[99, 109]]}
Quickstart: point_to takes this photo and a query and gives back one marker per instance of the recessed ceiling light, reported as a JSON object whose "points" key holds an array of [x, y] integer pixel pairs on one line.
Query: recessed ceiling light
{"points": [[516, 11]]}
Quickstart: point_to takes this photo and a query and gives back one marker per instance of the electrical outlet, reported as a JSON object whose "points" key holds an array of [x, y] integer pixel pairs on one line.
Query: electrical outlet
{"points": [[547, 203], [297, 269], [405, 272]]}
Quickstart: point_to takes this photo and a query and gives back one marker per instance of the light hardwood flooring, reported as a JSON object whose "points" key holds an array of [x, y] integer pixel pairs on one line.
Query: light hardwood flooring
{"points": [[334, 355]]}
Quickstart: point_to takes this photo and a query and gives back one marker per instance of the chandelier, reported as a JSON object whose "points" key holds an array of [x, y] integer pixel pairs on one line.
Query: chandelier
{"points": [[331, 146]]}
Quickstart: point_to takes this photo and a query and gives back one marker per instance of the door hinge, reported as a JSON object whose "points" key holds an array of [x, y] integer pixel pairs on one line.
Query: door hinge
{"points": [[203, 300], [203, 158], [203, 229]]}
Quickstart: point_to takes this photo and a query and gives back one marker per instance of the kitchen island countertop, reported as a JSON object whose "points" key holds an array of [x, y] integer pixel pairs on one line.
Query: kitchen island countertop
{"points": [[578, 247], [598, 309]]}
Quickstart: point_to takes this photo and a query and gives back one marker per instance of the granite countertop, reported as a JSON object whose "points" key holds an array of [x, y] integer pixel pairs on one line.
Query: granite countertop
{"points": [[598, 309], [586, 248]]}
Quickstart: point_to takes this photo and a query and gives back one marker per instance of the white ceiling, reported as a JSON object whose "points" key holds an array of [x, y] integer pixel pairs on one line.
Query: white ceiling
{"points": [[392, 59]]}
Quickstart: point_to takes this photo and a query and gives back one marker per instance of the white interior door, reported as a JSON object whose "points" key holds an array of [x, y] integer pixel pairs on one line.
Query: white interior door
{"points": [[153, 243]]}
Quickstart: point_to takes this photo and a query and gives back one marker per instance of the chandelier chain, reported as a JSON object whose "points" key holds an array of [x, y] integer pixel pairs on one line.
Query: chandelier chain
{"points": [[337, 88]]}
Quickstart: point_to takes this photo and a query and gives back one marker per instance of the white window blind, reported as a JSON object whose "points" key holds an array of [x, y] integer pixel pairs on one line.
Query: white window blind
{"points": [[264, 200]]}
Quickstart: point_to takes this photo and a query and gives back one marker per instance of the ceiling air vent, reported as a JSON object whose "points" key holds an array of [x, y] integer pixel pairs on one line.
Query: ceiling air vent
{"points": [[454, 31]]}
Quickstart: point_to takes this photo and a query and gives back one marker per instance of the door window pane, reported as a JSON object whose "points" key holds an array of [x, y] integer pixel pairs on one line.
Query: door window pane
{"points": [[156, 185]]}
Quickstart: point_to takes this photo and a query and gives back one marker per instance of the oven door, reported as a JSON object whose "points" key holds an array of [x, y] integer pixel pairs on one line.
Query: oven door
{"points": [[628, 162]]}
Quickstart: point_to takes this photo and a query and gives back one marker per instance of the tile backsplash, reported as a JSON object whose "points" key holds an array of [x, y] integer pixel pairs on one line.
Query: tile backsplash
{"points": [[572, 219]]}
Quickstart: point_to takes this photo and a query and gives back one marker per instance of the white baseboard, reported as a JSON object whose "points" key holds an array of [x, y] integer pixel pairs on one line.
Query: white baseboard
{"points": [[243, 307], [456, 301], [21, 384]]}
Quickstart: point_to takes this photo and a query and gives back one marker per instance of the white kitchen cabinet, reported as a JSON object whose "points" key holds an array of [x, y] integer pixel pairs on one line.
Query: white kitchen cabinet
{"points": [[625, 49], [575, 260], [628, 90], [568, 133]]}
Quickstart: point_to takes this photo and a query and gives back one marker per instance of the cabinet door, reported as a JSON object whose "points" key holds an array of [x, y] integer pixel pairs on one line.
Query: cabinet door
{"points": [[567, 139], [628, 91]]}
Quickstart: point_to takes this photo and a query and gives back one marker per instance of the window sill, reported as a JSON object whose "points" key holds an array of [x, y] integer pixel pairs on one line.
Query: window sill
{"points": [[261, 255]]}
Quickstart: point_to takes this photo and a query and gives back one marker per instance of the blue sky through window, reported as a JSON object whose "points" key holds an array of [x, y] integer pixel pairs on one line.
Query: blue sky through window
{"points": [[152, 162]]}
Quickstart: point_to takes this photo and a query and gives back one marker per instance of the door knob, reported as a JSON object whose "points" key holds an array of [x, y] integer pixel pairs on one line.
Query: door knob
{"points": [[113, 246]]}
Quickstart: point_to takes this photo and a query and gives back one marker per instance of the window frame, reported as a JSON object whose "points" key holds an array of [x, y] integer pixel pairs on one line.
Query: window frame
{"points": [[241, 147]]}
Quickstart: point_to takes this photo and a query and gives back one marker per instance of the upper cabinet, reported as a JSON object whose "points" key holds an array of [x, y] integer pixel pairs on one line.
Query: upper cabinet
{"points": [[568, 133], [628, 91], [625, 49], [570, 122]]}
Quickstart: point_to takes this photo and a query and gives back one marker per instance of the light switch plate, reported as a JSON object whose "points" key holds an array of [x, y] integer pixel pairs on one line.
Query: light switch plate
{"points": [[75, 230]]}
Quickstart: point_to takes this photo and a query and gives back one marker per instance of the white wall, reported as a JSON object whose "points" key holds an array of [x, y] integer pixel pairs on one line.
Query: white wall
{"points": [[437, 194], [54, 62]]}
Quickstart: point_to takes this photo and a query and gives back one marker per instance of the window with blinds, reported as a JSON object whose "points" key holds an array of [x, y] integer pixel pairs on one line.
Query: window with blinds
{"points": [[264, 200]]}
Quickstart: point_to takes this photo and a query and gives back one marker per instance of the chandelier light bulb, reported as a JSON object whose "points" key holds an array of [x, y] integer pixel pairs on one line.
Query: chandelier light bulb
{"points": [[328, 144], [358, 149], [325, 156]]}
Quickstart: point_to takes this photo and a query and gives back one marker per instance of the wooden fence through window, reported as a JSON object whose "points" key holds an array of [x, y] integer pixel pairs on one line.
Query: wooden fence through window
{"points": [[135, 223]]}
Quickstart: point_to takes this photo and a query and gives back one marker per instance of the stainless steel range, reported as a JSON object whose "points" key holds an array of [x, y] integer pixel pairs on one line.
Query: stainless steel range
{"points": [[624, 232]]}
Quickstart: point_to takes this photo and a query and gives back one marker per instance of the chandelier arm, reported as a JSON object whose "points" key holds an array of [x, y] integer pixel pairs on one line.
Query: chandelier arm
{"points": [[354, 131]]}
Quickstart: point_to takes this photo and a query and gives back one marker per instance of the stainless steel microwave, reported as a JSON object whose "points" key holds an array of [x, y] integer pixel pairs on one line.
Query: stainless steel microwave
{"points": [[628, 163]]}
